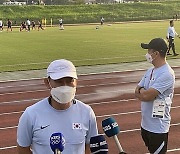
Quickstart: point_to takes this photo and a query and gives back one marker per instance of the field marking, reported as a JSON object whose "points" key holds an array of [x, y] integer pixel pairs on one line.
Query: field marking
{"points": [[14, 146], [94, 93], [10, 113], [125, 113], [21, 92], [122, 131], [80, 80], [90, 104], [81, 86], [9, 147], [22, 85], [10, 127], [138, 129], [171, 150], [85, 74], [26, 100], [100, 116], [111, 76], [76, 60]]}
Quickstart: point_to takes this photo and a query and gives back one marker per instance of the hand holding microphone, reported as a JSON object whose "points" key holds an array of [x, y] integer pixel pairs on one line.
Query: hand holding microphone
{"points": [[98, 145], [111, 129], [57, 143]]}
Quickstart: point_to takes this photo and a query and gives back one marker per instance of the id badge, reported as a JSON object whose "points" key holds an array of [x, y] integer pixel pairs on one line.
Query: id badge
{"points": [[158, 109]]}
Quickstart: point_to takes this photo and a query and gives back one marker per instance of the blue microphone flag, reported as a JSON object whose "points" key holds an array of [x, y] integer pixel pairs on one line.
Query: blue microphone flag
{"points": [[98, 145], [57, 141], [110, 127]]}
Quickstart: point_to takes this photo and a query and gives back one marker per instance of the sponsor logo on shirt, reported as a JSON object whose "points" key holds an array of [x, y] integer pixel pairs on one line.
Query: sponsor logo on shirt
{"points": [[42, 127]]}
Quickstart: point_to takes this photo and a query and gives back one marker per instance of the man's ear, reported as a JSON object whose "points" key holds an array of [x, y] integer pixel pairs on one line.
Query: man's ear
{"points": [[46, 81]]}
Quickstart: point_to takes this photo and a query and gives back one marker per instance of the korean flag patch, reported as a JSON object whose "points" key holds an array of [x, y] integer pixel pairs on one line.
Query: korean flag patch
{"points": [[76, 126]]}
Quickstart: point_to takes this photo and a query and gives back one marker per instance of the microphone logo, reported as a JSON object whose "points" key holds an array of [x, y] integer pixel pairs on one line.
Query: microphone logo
{"points": [[109, 127], [98, 145], [57, 139]]}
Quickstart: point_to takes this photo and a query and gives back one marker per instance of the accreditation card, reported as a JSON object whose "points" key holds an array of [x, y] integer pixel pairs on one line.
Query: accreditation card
{"points": [[158, 108]]}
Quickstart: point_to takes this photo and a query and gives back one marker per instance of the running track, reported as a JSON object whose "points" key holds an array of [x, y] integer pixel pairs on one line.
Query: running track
{"points": [[109, 94]]}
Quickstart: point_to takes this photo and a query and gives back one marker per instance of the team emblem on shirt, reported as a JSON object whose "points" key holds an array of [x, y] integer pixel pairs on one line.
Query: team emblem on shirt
{"points": [[76, 126]]}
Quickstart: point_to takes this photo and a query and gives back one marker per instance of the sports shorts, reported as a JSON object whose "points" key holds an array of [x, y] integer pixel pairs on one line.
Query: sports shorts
{"points": [[156, 143]]}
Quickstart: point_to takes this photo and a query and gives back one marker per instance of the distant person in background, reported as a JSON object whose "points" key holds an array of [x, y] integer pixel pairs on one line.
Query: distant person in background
{"points": [[40, 26], [171, 33], [176, 17], [28, 25], [102, 20], [9, 25], [23, 26], [1, 26], [61, 27], [33, 24]]}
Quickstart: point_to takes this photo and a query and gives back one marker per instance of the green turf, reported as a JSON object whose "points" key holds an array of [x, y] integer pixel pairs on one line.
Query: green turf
{"points": [[84, 45]]}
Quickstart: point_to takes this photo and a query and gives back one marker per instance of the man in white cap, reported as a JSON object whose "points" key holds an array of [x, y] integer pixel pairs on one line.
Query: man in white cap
{"points": [[155, 91], [60, 112]]}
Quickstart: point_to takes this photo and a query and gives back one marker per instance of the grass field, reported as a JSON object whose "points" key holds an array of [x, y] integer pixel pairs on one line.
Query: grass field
{"points": [[84, 45]]}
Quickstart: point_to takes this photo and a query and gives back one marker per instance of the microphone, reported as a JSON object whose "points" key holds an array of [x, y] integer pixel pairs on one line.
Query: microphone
{"points": [[98, 145], [57, 143], [111, 129]]}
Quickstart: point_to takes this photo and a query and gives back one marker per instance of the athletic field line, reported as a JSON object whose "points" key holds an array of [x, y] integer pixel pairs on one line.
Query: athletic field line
{"points": [[171, 150], [125, 113], [97, 59], [117, 114], [85, 74], [80, 86], [14, 146], [110, 76], [90, 104], [122, 131]]}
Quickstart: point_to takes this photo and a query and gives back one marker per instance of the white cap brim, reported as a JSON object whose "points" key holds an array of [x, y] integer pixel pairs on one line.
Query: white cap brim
{"points": [[56, 76]]}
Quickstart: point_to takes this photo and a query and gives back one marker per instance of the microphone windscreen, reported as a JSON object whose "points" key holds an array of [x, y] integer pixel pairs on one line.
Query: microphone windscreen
{"points": [[98, 145], [57, 141], [110, 127]]}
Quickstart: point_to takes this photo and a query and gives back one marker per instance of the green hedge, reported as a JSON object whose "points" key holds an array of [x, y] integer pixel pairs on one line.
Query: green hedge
{"points": [[92, 13]]}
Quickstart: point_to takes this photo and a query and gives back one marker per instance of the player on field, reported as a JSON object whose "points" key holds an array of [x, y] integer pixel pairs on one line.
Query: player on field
{"points": [[102, 20], [33, 24], [61, 27], [40, 26], [9, 25], [23, 26], [28, 25]]}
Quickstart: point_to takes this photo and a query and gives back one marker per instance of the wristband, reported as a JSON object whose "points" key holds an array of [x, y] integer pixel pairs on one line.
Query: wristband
{"points": [[140, 89]]}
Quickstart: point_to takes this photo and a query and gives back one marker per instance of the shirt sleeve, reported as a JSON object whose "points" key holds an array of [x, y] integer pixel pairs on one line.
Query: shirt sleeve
{"points": [[93, 130], [24, 131], [164, 82], [141, 83], [175, 32]]}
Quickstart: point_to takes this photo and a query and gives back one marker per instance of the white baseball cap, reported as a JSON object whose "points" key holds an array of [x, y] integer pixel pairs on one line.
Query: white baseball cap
{"points": [[61, 68]]}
